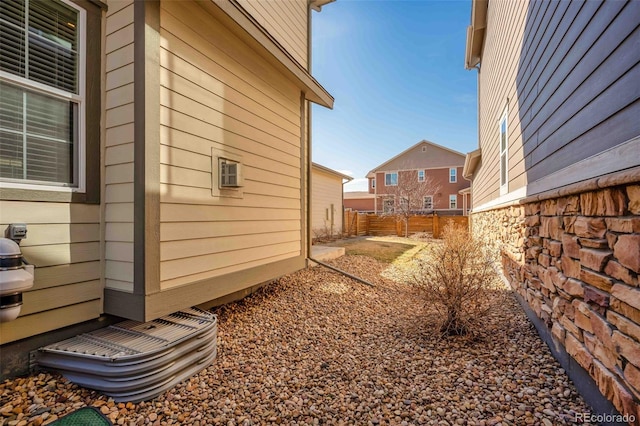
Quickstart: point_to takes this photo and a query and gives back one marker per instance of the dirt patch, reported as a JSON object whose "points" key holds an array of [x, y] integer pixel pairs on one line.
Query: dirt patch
{"points": [[384, 249]]}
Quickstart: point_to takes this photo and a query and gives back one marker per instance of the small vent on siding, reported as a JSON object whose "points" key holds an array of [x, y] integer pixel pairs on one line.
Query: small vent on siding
{"points": [[134, 361]]}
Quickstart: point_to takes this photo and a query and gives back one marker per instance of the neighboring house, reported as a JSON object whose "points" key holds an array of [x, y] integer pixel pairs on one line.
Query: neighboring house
{"points": [[158, 152], [556, 178], [327, 207], [425, 162], [361, 201]]}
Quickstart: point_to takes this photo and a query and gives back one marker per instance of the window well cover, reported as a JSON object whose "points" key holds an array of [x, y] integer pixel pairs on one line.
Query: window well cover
{"points": [[134, 361]]}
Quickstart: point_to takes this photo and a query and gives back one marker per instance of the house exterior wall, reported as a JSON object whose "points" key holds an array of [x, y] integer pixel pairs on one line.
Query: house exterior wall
{"points": [[212, 102], [286, 21], [424, 155], [326, 203], [503, 44], [441, 179], [119, 146], [568, 92], [364, 204], [64, 240], [574, 260], [566, 233]]}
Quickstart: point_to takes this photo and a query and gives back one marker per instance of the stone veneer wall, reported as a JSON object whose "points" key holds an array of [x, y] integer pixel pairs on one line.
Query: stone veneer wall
{"points": [[575, 259]]}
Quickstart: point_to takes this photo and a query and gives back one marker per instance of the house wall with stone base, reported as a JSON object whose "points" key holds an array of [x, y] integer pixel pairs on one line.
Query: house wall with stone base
{"points": [[574, 256]]}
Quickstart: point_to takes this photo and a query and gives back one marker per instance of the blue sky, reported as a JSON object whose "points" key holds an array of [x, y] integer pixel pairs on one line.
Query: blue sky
{"points": [[396, 70]]}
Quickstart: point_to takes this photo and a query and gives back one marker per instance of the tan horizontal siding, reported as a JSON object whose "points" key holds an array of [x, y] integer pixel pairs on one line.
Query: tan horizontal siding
{"points": [[120, 134], [186, 231], [50, 298], [241, 267], [119, 154], [43, 212], [218, 96], [30, 325], [286, 21], [212, 46], [214, 264], [118, 271], [63, 243], [119, 17], [119, 151], [66, 274], [192, 107], [172, 250], [180, 130], [326, 190], [56, 233], [119, 232]]}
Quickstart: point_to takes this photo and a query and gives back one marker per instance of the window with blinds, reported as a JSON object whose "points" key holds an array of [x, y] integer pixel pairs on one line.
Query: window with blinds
{"points": [[40, 92]]}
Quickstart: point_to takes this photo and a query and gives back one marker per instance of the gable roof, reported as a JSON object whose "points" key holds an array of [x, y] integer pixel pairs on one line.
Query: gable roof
{"points": [[448, 153], [331, 171]]}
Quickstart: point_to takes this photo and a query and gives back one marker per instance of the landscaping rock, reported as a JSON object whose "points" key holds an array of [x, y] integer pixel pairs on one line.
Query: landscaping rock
{"points": [[319, 348]]}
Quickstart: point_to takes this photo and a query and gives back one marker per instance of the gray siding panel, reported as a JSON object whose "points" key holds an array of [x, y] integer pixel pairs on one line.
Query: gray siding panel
{"points": [[585, 59]]}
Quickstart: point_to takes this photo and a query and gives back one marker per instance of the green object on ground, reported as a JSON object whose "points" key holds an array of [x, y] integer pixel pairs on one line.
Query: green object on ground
{"points": [[85, 416]]}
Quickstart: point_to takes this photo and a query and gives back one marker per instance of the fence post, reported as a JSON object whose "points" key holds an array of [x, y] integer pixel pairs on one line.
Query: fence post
{"points": [[436, 226]]}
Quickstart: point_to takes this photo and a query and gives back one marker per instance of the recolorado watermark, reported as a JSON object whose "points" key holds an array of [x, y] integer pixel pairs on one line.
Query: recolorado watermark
{"points": [[605, 418]]}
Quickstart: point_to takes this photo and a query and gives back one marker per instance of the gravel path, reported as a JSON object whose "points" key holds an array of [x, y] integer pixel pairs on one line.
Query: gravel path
{"points": [[319, 348]]}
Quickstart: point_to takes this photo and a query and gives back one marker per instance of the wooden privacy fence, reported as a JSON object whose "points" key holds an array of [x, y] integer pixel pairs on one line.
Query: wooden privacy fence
{"points": [[357, 224]]}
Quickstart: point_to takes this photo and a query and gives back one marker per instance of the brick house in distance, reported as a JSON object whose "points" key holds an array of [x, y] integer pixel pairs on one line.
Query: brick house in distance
{"points": [[425, 160], [556, 179]]}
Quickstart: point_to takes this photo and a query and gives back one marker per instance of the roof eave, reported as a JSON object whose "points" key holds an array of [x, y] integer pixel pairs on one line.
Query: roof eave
{"points": [[475, 33], [317, 4], [381, 166], [471, 162], [331, 171], [236, 18]]}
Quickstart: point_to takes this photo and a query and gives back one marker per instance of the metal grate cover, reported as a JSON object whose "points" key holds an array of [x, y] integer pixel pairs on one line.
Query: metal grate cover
{"points": [[134, 361]]}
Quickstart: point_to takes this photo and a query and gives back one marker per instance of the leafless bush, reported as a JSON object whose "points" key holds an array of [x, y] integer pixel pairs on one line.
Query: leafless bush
{"points": [[458, 279], [325, 234]]}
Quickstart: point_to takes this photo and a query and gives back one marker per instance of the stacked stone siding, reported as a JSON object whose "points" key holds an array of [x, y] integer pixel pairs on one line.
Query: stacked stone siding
{"points": [[575, 259]]}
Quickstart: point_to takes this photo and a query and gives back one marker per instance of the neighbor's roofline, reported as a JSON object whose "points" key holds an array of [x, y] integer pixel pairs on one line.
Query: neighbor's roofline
{"points": [[378, 168], [333, 172]]}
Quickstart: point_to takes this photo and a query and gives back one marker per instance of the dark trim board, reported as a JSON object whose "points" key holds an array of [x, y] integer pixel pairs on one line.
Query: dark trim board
{"points": [[147, 307], [146, 148], [581, 379], [174, 299]]}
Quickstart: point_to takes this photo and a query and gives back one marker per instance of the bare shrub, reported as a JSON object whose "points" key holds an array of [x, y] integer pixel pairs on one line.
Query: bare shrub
{"points": [[325, 234], [458, 279]]}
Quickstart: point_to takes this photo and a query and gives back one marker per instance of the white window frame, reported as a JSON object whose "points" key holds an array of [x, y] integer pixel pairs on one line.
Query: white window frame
{"points": [[453, 201], [453, 175], [390, 174], [373, 182], [424, 202], [503, 151], [421, 175], [79, 165]]}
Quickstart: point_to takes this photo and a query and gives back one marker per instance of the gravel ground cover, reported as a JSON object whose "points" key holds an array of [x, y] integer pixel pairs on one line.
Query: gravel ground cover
{"points": [[319, 348]]}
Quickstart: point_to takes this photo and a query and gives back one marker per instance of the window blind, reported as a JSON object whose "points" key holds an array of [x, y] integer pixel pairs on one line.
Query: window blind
{"points": [[38, 131]]}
